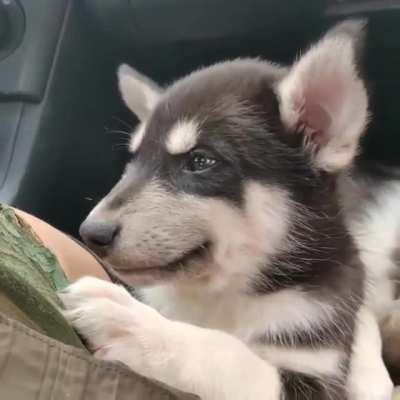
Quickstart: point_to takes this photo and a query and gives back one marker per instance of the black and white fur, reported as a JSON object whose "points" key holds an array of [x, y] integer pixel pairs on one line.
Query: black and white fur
{"points": [[371, 203], [229, 218]]}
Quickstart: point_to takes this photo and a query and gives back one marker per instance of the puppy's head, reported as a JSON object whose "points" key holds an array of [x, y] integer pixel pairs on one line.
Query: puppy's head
{"points": [[224, 159]]}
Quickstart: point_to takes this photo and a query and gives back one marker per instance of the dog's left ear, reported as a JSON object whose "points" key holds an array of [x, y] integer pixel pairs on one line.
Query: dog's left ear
{"points": [[323, 98], [139, 93]]}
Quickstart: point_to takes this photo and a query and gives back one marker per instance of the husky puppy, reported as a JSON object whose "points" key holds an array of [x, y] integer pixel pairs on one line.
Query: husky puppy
{"points": [[229, 219]]}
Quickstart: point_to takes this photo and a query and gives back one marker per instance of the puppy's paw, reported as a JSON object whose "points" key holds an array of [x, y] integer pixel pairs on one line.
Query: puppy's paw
{"points": [[116, 326], [89, 287]]}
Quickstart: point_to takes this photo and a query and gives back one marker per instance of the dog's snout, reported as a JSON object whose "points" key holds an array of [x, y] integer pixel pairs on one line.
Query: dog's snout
{"points": [[99, 233]]}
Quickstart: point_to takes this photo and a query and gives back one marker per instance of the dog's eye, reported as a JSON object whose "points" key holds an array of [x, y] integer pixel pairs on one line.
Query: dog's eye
{"points": [[199, 162]]}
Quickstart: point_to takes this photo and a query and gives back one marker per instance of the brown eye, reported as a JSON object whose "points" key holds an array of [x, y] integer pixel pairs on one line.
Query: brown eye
{"points": [[199, 162]]}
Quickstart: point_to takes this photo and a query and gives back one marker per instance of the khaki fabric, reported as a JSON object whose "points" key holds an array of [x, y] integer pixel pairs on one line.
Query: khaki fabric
{"points": [[36, 367]]}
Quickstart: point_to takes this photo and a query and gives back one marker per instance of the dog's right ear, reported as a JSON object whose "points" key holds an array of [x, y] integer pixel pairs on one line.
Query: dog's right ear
{"points": [[324, 99], [139, 93]]}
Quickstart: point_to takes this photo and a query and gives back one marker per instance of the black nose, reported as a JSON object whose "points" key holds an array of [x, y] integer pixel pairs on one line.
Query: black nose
{"points": [[98, 233]]}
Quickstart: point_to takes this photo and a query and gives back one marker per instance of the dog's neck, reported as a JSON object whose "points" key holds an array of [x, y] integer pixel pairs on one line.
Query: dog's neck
{"points": [[321, 245]]}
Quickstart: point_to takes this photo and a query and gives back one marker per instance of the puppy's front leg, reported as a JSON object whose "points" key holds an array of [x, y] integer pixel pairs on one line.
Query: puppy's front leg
{"points": [[215, 365], [208, 363], [368, 377]]}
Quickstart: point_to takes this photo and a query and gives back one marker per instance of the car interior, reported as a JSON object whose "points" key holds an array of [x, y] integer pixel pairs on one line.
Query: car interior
{"points": [[62, 123]]}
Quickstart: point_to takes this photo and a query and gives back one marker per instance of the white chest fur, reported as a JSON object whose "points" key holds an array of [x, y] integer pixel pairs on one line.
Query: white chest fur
{"points": [[240, 314], [376, 229], [250, 317]]}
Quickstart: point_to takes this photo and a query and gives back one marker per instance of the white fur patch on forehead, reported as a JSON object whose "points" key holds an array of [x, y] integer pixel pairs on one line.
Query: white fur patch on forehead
{"points": [[182, 137], [137, 138]]}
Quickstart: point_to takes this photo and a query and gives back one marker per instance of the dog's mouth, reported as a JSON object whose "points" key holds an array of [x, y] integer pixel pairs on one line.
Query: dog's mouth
{"points": [[188, 259]]}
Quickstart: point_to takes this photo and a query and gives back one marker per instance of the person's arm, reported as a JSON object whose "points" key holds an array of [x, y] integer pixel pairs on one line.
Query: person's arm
{"points": [[75, 260]]}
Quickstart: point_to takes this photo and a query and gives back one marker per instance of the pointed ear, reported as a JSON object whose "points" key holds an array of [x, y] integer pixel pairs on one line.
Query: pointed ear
{"points": [[139, 93], [323, 98]]}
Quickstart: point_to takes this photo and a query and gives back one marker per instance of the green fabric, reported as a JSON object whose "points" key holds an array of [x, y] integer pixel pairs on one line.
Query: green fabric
{"points": [[29, 278]]}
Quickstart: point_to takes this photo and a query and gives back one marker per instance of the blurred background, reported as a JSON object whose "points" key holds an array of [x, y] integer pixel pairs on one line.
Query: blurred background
{"points": [[62, 123]]}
